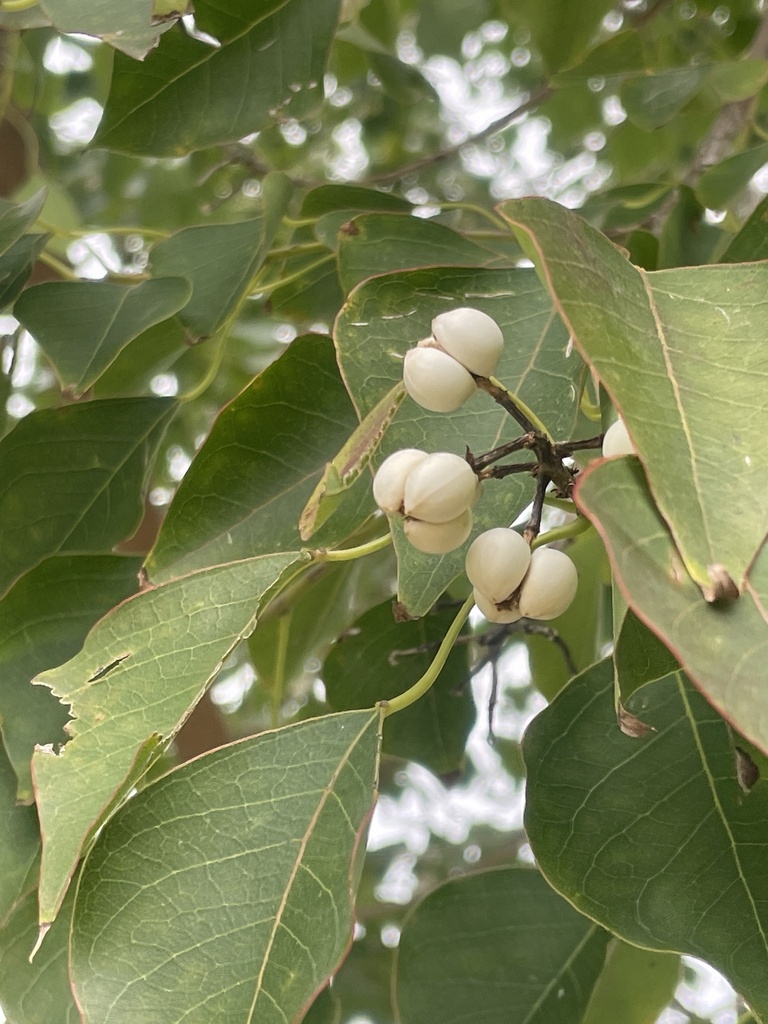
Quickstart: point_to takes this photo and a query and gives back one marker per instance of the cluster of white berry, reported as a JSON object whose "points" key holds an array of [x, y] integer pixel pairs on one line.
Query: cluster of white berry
{"points": [[435, 493]]}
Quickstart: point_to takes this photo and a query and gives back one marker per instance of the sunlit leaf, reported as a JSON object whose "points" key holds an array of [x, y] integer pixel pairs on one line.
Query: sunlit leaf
{"points": [[250, 908], [271, 56], [680, 353], [83, 326], [142, 669], [653, 837], [44, 619], [634, 987], [495, 947], [71, 479]]}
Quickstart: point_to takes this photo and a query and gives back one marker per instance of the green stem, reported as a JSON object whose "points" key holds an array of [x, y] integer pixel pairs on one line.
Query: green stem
{"points": [[17, 5], [561, 503], [55, 264], [522, 407], [349, 554], [420, 687], [269, 286], [287, 251], [111, 229], [278, 685], [217, 342], [572, 529]]}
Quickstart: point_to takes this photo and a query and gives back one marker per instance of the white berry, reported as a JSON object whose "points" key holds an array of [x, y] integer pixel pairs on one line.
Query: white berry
{"points": [[496, 563], [617, 441], [471, 337], [491, 611], [439, 538], [549, 586], [439, 488], [389, 481], [435, 381]]}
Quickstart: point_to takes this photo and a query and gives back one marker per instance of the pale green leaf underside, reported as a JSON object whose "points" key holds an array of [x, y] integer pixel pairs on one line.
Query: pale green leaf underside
{"points": [[652, 838], [497, 946], [386, 316], [682, 354], [250, 907], [143, 667]]}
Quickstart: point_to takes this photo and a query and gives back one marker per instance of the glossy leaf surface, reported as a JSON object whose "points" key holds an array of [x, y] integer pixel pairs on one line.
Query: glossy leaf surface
{"points": [[250, 909]]}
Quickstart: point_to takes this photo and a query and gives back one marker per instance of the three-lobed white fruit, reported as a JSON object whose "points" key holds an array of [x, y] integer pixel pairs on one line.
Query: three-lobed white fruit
{"points": [[617, 440], [390, 478], [434, 380], [492, 612], [472, 337], [439, 488], [496, 563], [549, 585], [439, 538]]}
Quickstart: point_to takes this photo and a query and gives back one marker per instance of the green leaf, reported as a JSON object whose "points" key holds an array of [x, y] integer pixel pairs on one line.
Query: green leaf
{"points": [[254, 889], [128, 27], [82, 327], [639, 656], [142, 669], [271, 56], [545, 19], [686, 239], [37, 992], [71, 479], [345, 469], [733, 81], [723, 649], [345, 198], [43, 621], [751, 242], [376, 243], [380, 659], [495, 947], [634, 987], [653, 100], [16, 266], [722, 183], [15, 218], [221, 260], [652, 838], [617, 55], [680, 353], [385, 316], [20, 846], [246, 488]]}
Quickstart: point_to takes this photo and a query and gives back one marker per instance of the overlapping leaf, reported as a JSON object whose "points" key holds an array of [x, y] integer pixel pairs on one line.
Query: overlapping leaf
{"points": [[83, 326], [380, 660], [270, 56], [16, 266], [128, 27], [494, 947], [386, 315], [723, 648], [653, 838], [682, 354], [250, 907], [247, 487], [71, 479], [143, 667], [635, 986], [43, 621], [220, 260], [15, 218], [20, 845]]}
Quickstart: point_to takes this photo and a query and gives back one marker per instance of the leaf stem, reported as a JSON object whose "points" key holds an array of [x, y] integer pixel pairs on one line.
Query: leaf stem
{"points": [[422, 685], [525, 416], [572, 529], [17, 5], [56, 264], [111, 229], [278, 684], [349, 554], [269, 286]]}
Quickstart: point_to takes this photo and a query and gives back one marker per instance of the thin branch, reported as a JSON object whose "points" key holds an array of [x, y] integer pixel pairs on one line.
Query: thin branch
{"points": [[481, 462], [531, 531], [537, 97], [499, 472]]}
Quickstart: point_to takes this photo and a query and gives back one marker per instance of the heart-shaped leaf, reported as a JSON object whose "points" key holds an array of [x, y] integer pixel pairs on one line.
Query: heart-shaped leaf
{"points": [[495, 947], [250, 907], [142, 669], [682, 355], [653, 837]]}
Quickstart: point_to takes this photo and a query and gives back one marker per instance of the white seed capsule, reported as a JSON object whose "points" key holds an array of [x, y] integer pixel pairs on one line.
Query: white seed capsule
{"points": [[389, 481], [435, 381], [549, 586], [439, 538], [617, 441], [470, 336], [496, 562], [439, 488], [491, 611]]}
